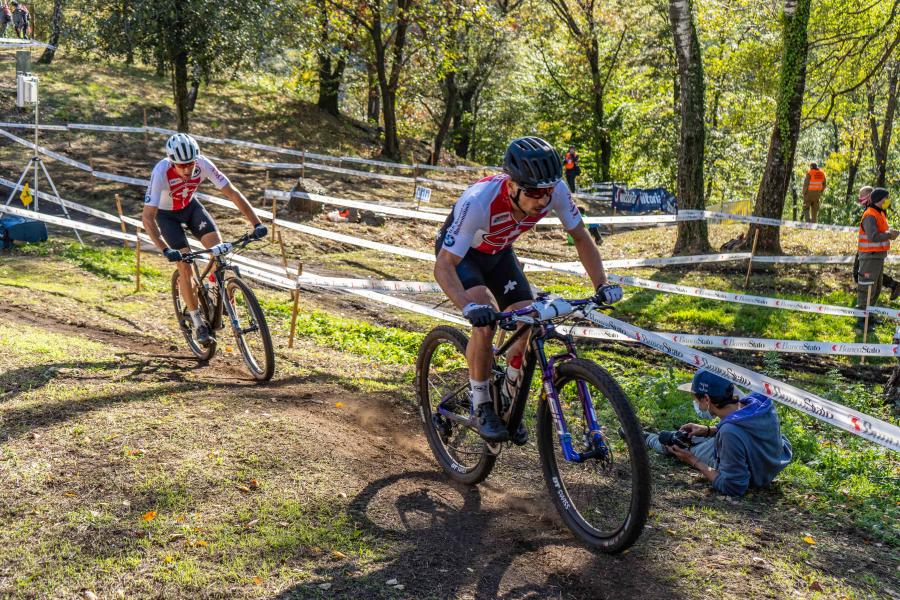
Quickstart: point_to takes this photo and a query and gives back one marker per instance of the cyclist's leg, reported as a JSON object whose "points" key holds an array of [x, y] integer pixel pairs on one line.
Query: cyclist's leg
{"points": [[508, 284], [202, 225], [169, 222]]}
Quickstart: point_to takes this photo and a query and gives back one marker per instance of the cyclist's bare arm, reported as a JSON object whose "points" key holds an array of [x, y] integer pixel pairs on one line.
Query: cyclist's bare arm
{"points": [[149, 219], [588, 254], [446, 277], [232, 193]]}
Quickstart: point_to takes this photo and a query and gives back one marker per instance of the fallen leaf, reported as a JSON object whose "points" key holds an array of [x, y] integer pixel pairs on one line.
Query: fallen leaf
{"points": [[391, 582], [251, 524], [254, 484], [339, 405], [243, 488], [324, 586], [338, 554], [70, 494], [809, 539], [257, 580], [202, 543], [149, 515]]}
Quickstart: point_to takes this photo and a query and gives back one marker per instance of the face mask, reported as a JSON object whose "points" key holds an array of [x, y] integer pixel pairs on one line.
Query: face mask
{"points": [[703, 414]]}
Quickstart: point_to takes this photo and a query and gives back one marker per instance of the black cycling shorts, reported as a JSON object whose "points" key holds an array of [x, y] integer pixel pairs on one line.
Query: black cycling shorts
{"points": [[500, 272], [171, 224]]}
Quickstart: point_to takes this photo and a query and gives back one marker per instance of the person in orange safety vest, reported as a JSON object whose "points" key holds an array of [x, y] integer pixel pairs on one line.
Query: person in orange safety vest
{"points": [[813, 185], [875, 235]]}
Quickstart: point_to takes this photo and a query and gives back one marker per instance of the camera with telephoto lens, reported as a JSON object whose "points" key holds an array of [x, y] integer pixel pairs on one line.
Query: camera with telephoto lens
{"points": [[675, 438]]}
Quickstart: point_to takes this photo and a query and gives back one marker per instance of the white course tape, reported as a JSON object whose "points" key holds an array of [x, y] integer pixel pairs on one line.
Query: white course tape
{"points": [[30, 214], [411, 306], [91, 127], [796, 305], [379, 208], [67, 203], [31, 126], [857, 423], [42, 150], [121, 178]]}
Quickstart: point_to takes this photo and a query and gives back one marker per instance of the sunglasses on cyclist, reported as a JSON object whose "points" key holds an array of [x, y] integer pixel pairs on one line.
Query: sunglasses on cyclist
{"points": [[537, 193]]}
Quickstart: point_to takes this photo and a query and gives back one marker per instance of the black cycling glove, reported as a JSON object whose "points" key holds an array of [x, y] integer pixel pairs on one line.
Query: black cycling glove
{"points": [[479, 315], [172, 254], [608, 293]]}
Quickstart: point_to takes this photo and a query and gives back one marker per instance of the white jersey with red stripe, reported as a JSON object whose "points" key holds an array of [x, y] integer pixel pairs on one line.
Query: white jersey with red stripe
{"points": [[169, 191], [483, 217]]}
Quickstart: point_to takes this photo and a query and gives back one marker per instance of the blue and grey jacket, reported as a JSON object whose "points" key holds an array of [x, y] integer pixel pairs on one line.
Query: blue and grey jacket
{"points": [[749, 447]]}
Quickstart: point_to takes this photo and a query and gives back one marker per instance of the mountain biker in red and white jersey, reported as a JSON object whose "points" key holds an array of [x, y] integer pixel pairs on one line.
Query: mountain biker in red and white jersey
{"points": [[478, 270], [169, 204]]}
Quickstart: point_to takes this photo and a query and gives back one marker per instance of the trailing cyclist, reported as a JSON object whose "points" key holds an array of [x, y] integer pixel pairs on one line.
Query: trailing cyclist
{"points": [[478, 270], [169, 204]]}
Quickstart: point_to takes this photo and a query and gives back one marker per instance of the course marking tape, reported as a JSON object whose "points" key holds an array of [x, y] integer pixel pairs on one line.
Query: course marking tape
{"points": [[796, 305], [857, 423]]}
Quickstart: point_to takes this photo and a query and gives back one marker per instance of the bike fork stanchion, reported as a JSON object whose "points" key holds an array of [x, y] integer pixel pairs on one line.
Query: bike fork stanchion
{"points": [[296, 305]]}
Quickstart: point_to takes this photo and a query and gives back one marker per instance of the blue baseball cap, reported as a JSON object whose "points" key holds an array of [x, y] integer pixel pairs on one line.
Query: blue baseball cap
{"points": [[707, 382]]}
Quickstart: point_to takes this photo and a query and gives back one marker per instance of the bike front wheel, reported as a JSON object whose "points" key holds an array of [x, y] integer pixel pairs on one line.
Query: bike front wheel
{"points": [[251, 330], [603, 500], [185, 324], [442, 378]]}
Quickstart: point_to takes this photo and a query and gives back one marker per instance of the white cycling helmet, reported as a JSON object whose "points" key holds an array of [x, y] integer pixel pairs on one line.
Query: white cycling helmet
{"points": [[182, 148]]}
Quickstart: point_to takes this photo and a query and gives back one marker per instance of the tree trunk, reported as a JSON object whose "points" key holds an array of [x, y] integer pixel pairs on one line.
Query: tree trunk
{"points": [[55, 30], [602, 143], [881, 144], [451, 93], [692, 235], [852, 170], [180, 90], [330, 84], [373, 104], [390, 83], [783, 143], [329, 79], [462, 133]]}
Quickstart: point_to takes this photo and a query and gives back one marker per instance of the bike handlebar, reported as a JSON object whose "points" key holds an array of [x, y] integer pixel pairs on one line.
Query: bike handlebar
{"points": [[224, 248], [509, 319]]}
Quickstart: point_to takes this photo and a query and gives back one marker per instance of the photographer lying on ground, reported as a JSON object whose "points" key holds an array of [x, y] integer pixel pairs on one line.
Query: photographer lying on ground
{"points": [[746, 447]]}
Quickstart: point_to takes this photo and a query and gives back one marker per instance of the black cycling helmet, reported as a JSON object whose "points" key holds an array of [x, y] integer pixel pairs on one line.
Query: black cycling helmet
{"points": [[532, 162]]}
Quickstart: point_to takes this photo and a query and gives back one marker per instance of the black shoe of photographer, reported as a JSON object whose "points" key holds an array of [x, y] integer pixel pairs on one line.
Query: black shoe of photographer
{"points": [[489, 425]]}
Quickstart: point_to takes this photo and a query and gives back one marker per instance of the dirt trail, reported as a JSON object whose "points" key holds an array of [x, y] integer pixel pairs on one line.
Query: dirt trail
{"points": [[499, 540]]}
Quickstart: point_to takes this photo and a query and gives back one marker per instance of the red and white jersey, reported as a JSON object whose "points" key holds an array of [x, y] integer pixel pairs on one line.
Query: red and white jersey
{"points": [[167, 189], [483, 217]]}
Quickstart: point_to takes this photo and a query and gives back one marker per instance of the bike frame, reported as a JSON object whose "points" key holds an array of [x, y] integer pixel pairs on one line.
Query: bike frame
{"points": [[218, 266], [540, 332]]}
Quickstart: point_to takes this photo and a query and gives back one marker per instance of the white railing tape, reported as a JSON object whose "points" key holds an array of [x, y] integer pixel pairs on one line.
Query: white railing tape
{"points": [[379, 208], [796, 305], [30, 214], [857, 423]]}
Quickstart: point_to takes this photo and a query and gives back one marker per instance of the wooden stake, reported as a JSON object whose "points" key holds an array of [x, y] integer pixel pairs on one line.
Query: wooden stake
{"points": [[752, 254], [303, 164], [862, 360], [284, 260], [274, 208], [294, 311], [137, 255], [121, 218]]}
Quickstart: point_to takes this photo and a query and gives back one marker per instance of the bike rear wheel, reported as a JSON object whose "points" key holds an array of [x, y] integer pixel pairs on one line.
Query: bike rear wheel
{"points": [[185, 324], [252, 331], [603, 501], [442, 374]]}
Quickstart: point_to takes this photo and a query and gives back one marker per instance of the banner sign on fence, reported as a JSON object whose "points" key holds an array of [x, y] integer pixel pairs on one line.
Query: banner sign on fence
{"points": [[637, 200], [423, 194]]}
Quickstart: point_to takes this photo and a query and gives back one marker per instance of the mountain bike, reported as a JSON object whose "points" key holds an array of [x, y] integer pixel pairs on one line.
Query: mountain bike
{"points": [[218, 281], [591, 448]]}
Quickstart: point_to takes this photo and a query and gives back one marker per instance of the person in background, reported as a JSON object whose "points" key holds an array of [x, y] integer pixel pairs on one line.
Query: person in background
{"points": [[20, 19], [875, 235], [5, 19], [813, 185], [887, 281], [570, 164], [745, 448]]}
